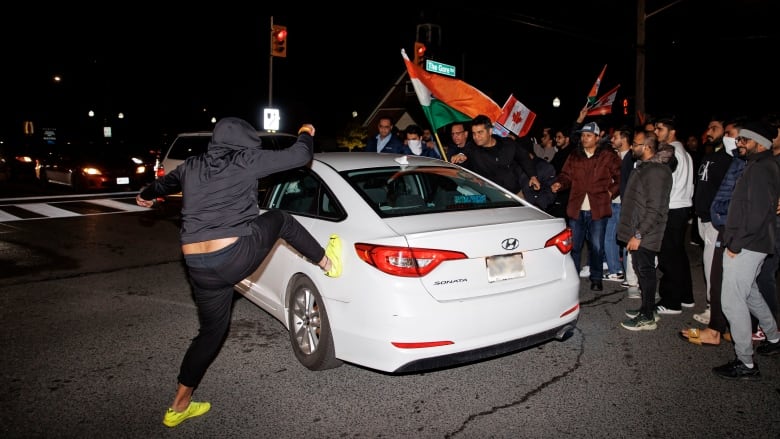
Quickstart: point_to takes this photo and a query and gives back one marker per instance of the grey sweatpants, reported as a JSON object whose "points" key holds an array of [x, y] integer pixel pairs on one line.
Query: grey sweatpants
{"points": [[740, 298]]}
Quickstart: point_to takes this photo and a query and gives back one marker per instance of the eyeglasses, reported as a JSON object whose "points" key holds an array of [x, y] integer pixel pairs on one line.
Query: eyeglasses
{"points": [[458, 133], [637, 144], [741, 139]]}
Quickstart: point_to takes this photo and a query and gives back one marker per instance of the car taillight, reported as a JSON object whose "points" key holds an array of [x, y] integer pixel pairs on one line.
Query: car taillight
{"points": [[160, 171], [561, 240], [404, 261]]}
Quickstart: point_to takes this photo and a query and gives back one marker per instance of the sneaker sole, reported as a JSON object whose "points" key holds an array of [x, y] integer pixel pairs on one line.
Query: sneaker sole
{"points": [[755, 377], [655, 316], [648, 327]]}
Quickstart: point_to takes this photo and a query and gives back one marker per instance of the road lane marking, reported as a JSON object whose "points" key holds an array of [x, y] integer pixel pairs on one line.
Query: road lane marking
{"points": [[117, 205], [47, 210], [64, 209]]}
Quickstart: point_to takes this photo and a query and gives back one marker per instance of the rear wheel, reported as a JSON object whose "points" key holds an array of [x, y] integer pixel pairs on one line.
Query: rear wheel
{"points": [[310, 334]]}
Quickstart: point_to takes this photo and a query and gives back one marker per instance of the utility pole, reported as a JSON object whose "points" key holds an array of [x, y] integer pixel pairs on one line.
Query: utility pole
{"points": [[639, 85], [641, 22]]}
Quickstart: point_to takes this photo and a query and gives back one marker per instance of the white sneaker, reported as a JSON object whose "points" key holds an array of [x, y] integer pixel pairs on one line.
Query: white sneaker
{"points": [[615, 277], [703, 317], [664, 310], [585, 272]]}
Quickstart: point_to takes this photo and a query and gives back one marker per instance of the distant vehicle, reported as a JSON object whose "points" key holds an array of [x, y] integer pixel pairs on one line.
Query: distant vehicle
{"points": [[194, 143], [5, 166], [24, 159], [440, 266], [95, 166]]}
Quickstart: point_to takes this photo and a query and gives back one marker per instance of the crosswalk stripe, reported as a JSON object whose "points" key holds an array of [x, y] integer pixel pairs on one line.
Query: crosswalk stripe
{"points": [[48, 210], [7, 217], [117, 205], [29, 211]]}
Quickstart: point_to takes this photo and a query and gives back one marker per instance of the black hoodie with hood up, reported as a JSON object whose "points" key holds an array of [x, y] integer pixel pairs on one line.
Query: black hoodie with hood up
{"points": [[219, 187]]}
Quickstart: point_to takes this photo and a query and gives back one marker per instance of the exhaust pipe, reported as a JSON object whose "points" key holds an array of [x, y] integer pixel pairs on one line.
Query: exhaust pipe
{"points": [[565, 333]]}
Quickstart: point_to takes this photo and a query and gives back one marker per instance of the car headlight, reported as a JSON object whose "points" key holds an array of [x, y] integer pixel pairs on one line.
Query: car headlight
{"points": [[91, 171]]}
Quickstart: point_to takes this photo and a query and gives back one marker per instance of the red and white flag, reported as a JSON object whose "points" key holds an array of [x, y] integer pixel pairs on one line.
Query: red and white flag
{"points": [[603, 105], [516, 117]]}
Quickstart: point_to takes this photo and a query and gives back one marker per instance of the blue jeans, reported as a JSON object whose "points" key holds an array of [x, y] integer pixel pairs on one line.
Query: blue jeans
{"points": [[612, 250], [585, 228]]}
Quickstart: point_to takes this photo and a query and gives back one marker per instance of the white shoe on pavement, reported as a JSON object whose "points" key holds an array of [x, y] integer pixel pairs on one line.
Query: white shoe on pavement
{"points": [[703, 317]]}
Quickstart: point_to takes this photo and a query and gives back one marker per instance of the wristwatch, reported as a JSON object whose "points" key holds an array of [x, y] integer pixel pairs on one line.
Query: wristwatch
{"points": [[638, 235]]}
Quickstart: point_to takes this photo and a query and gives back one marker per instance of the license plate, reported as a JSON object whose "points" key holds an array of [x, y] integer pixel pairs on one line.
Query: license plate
{"points": [[503, 267], [123, 180]]}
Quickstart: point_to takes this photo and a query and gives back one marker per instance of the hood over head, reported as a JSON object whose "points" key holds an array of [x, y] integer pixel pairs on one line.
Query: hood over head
{"points": [[232, 134]]}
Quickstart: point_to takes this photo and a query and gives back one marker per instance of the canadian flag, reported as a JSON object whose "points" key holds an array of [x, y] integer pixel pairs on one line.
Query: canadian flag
{"points": [[516, 117]]}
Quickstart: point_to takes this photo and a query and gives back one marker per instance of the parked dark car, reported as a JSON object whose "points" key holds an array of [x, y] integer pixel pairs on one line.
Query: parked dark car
{"points": [[95, 166]]}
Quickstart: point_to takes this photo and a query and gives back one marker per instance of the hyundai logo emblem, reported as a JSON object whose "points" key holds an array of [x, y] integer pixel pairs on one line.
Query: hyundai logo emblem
{"points": [[510, 244]]}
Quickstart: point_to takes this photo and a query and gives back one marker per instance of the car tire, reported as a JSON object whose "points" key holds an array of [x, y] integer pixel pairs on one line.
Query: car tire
{"points": [[310, 334]]}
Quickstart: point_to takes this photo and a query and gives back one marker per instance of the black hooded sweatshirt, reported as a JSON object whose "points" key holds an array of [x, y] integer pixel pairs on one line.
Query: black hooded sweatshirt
{"points": [[219, 187]]}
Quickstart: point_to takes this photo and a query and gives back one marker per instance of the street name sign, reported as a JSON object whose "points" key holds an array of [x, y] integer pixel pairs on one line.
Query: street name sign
{"points": [[440, 68]]}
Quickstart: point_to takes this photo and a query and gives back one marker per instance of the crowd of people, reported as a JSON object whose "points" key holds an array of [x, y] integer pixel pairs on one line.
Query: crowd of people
{"points": [[636, 196]]}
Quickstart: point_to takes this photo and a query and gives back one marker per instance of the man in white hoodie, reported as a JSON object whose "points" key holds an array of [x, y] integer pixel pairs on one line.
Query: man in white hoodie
{"points": [[676, 284]]}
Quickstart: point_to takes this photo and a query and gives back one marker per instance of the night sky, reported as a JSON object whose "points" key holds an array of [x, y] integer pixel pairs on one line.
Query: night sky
{"points": [[162, 68]]}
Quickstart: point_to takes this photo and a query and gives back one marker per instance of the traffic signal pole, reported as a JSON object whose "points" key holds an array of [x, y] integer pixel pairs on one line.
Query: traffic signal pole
{"points": [[271, 71]]}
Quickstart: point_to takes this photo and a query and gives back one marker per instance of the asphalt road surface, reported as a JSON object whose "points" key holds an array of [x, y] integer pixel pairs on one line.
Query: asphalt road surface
{"points": [[95, 315]]}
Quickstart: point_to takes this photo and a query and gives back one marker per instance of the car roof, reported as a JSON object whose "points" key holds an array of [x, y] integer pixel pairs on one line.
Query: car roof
{"points": [[209, 133], [344, 161]]}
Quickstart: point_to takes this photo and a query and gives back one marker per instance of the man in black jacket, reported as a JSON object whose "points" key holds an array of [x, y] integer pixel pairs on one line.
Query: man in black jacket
{"points": [[645, 208], [749, 236], [500, 159]]}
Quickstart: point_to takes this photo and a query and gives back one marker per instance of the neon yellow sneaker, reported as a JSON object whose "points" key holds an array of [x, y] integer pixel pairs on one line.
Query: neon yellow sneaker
{"points": [[173, 418], [333, 252]]}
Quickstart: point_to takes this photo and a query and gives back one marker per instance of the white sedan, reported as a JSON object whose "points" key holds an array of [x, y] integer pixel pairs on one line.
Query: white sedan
{"points": [[440, 266]]}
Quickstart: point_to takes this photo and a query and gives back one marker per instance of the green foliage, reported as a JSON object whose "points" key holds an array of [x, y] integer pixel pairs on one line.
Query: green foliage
{"points": [[353, 137]]}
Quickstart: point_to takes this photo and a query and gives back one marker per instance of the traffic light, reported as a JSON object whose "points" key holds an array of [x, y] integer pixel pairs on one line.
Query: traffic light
{"points": [[279, 41], [419, 53]]}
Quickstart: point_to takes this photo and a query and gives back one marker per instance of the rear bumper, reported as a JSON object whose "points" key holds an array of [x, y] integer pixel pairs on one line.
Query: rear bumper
{"points": [[561, 333]]}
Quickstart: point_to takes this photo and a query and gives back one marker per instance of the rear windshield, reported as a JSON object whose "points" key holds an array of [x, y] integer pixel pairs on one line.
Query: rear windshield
{"points": [[185, 146], [394, 192]]}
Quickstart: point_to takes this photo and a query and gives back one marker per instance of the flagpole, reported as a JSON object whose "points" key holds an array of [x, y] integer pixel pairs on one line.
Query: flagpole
{"points": [[438, 144]]}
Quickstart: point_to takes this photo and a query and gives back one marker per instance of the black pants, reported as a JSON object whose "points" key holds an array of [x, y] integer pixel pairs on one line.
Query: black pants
{"points": [[676, 285], [213, 275], [643, 261]]}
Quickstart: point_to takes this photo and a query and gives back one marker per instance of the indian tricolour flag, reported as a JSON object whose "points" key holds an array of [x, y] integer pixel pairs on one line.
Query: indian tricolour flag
{"points": [[603, 105], [594, 91], [445, 100]]}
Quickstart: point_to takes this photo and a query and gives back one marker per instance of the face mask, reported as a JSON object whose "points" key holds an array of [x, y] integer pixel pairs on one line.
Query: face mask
{"points": [[730, 144], [415, 146]]}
